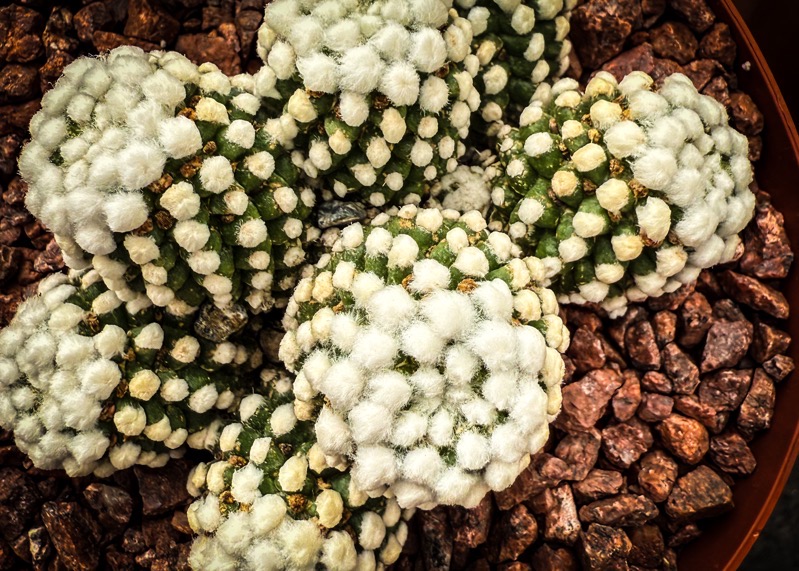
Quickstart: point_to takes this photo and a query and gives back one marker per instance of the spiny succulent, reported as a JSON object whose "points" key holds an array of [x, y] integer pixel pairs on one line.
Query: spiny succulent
{"points": [[271, 501], [165, 176], [624, 191], [519, 44], [379, 93], [431, 354], [90, 383]]}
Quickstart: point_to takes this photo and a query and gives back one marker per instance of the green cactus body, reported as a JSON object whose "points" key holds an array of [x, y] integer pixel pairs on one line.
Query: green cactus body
{"points": [[94, 384], [380, 93], [408, 340], [170, 179], [519, 45], [641, 188], [271, 500]]}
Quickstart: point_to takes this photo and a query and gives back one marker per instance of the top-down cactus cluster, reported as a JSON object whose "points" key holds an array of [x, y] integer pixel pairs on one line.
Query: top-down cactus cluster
{"points": [[409, 186]]}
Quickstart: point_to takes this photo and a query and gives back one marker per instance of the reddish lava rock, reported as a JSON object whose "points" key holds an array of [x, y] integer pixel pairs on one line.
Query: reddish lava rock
{"points": [[731, 454], [585, 401], [699, 494], [600, 28], [779, 367], [746, 117], [657, 474], [642, 346], [598, 484], [628, 397], [657, 382], [679, 367], [757, 408], [604, 547], [664, 323], [624, 510], [718, 44], [73, 533], [767, 253], [648, 546], [684, 437], [675, 41], [696, 317], [727, 343], [696, 12], [624, 443], [163, 491], [547, 558], [580, 451], [561, 522], [655, 407], [768, 342], [586, 351], [515, 531], [210, 47], [725, 390]]}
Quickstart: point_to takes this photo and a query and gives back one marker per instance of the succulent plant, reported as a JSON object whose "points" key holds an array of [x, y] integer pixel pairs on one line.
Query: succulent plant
{"points": [[90, 383], [519, 45], [166, 177], [431, 355], [380, 93], [271, 501], [624, 192]]}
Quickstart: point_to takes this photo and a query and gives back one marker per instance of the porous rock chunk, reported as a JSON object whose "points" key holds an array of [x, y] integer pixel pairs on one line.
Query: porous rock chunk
{"points": [[585, 401], [656, 474], [625, 442], [684, 437], [624, 510], [699, 494]]}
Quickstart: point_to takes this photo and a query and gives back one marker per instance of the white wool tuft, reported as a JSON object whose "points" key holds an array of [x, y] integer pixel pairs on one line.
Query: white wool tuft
{"points": [[656, 168], [400, 83], [472, 451], [654, 218], [370, 423], [216, 174], [179, 137], [374, 466], [139, 164], [360, 69], [422, 343]]}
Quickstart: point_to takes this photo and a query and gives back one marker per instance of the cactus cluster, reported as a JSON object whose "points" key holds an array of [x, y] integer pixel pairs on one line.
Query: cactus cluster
{"points": [[423, 342]]}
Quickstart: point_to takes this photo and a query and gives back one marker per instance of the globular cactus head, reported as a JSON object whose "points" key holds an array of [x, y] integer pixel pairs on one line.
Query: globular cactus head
{"points": [[166, 177], [625, 191], [271, 501], [433, 355], [90, 383]]}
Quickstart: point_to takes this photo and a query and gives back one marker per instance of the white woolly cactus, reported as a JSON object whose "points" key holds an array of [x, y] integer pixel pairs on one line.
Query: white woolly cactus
{"points": [[271, 501], [160, 173], [623, 191], [432, 353], [380, 92], [519, 45], [89, 383]]}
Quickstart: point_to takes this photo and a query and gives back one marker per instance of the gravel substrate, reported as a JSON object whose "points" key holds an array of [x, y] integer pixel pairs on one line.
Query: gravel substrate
{"points": [[659, 407]]}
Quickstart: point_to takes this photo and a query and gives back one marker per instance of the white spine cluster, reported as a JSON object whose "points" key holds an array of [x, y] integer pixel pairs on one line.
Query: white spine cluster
{"points": [[437, 393]]}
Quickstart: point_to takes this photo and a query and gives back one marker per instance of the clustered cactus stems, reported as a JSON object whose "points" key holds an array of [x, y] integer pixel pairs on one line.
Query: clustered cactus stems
{"points": [[165, 176], [90, 383], [271, 501], [379, 93], [432, 354], [624, 191], [425, 343], [520, 44]]}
